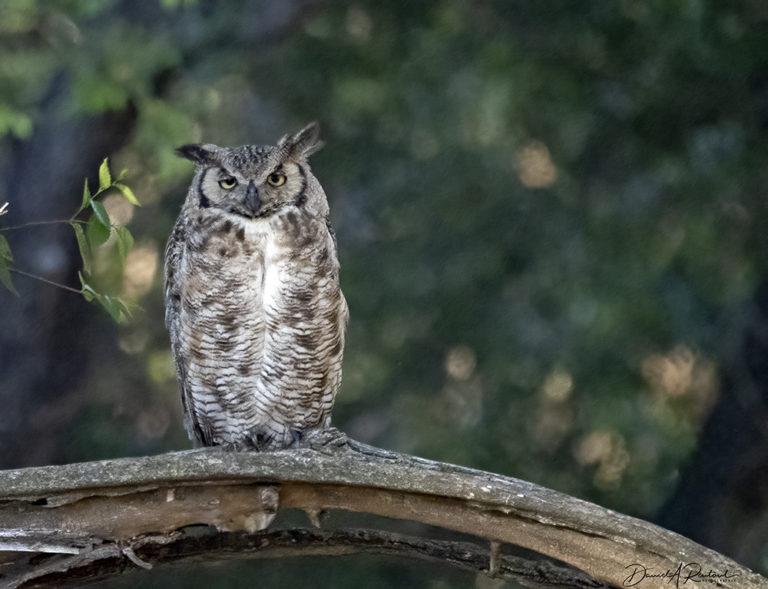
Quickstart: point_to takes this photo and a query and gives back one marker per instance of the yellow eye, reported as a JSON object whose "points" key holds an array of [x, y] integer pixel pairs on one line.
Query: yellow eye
{"points": [[276, 179], [228, 183]]}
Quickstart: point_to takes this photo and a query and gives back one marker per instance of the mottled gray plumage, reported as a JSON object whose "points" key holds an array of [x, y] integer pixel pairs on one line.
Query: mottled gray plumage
{"points": [[253, 303]]}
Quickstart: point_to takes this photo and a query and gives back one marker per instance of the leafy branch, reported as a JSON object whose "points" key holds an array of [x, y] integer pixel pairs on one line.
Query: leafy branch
{"points": [[93, 228]]}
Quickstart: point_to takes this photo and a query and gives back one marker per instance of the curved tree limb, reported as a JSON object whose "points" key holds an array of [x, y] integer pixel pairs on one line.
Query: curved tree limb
{"points": [[130, 510], [111, 558]]}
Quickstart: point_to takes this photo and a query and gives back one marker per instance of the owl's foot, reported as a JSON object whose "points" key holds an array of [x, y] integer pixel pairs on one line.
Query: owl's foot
{"points": [[262, 438], [329, 439]]}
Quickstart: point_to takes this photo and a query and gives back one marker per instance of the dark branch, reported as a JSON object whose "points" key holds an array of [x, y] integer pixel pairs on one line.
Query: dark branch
{"points": [[109, 559]]}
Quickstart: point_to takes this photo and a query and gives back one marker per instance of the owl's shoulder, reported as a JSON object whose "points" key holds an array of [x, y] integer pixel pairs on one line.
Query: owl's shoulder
{"points": [[295, 227]]}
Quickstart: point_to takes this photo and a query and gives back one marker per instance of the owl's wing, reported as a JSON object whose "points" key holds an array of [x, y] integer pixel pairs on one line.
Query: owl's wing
{"points": [[174, 253]]}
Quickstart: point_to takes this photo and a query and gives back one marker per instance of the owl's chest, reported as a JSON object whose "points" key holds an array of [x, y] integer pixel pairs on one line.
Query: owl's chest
{"points": [[226, 259]]}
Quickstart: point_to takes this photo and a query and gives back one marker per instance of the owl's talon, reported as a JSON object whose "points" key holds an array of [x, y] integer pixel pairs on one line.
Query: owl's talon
{"points": [[326, 439], [242, 446]]}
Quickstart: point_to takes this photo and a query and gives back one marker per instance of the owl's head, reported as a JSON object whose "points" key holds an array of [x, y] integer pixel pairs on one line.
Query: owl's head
{"points": [[256, 181]]}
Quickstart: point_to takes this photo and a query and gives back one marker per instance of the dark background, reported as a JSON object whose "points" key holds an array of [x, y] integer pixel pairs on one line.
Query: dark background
{"points": [[551, 219]]}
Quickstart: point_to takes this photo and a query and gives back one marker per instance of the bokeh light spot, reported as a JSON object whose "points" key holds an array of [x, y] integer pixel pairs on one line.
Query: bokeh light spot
{"points": [[534, 166]]}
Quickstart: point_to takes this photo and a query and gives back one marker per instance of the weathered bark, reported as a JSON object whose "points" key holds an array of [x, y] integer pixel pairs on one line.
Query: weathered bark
{"points": [[95, 518]]}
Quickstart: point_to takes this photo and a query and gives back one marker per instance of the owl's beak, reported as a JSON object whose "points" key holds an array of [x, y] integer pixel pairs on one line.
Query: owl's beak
{"points": [[252, 200]]}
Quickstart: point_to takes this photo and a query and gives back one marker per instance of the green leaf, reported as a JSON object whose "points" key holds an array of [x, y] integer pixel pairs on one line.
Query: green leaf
{"points": [[6, 257], [123, 174], [113, 306], [126, 308], [116, 308], [85, 249], [96, 232], [87, 196], [101, 214], [5, 249], [87, 291], [124, 242], [5, 277], [127, 193], [105, 178]]}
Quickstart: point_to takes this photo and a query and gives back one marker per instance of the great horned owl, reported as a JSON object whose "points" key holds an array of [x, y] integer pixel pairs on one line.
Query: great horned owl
{"points": [[253, 304]]}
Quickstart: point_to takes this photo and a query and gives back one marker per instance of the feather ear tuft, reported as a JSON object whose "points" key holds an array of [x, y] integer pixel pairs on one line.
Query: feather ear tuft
{"points": [[200, 154], [305, 142]]}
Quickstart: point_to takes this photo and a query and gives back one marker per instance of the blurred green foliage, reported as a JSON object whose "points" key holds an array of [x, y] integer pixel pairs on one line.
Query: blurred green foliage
{"points": [[91, 235], [545, 210]]}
